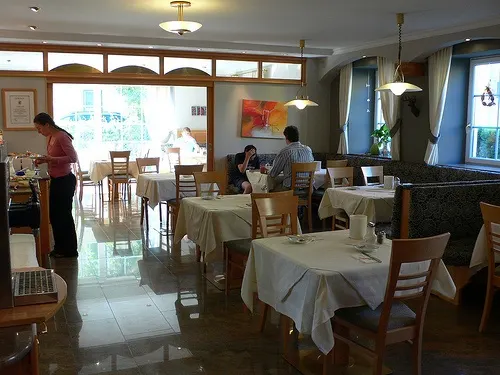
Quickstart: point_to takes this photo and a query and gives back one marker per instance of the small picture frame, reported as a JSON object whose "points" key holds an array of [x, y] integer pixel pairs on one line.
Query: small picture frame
{"points": [[198, 110], [193, 111], [203, 111], [19, 108]]}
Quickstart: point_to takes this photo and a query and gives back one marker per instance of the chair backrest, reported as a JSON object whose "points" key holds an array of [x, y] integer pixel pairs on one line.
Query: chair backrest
{"points": [[372, 173], [78, 169], [144, 163], [491, 217], [278, 216], [302, 180], [256, 231], [173, 153], [119, 163], [338, 176], [184, 180], [208, 183], [412, 286], [336, 163]]}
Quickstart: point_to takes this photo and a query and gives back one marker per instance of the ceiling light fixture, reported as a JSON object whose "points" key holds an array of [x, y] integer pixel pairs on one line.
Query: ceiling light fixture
{"points": [[44, 42], [33, 27], [35, 9], [398, 86], [467, 40], [364, 56], [180, 26], [99, 44], [302, 101]]}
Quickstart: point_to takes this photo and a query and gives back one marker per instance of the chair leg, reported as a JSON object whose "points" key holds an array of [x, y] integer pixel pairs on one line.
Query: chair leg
{"points": [[379, 361], [228, 271], [341, 349], [142, 211], [417, 355], [333, 222], [161, 216], [263, 318], [490, 292], [198, 254], [309, 217], [81, 191]]}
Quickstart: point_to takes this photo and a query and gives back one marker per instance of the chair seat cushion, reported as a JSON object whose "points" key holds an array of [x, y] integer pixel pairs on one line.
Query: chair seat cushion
{"points": [[364, 317], [119, 178], [240, 246], [85, 177], [172, 202]]}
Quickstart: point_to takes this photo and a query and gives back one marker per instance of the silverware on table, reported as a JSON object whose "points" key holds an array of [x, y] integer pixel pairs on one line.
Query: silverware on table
{"points": [[371, 257]]}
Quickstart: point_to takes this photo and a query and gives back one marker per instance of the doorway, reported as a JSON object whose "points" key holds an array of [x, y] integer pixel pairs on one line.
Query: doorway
{"points": [[148, 120]]}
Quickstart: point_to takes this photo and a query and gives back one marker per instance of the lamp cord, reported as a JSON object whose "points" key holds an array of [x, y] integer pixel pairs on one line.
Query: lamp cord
{"points": [[400, 46]]}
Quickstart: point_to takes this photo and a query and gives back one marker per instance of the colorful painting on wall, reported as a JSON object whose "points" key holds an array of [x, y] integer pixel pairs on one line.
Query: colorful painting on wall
{"points": [[263, 119]]}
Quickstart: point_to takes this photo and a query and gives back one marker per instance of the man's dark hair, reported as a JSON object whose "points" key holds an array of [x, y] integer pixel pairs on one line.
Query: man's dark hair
{"points": [[250, 147], [291, 133]]}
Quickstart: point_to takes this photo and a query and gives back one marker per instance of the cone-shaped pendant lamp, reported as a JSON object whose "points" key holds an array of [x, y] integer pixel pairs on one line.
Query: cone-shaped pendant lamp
{"points": [[302, 101], [398, 85]]}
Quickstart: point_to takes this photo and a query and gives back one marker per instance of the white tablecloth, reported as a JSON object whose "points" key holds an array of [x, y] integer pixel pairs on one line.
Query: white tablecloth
{"points": [[373, 201], [263, 183], [157, 187], [99, 169], [480, 252], [209, 223], [308, 283]]}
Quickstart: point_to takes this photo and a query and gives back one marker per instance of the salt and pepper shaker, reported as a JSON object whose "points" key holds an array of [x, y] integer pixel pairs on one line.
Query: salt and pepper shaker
{"points": [[370, 237], [397, 182], [380, 237]]}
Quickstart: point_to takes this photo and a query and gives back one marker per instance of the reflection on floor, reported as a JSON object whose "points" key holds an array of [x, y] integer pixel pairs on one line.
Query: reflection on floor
{"points": [[138, 305]]}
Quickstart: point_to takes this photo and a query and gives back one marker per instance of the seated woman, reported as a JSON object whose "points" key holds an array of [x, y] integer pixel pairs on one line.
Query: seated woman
{"points": [[243, 161], [186, 142]]}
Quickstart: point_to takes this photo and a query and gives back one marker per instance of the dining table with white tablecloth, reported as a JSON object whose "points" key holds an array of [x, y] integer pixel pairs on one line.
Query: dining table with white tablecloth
{"points": [[479, 257], [373, 201], [209, 223], [309, 282], [263, 183], [100, 169], [158, 187]]}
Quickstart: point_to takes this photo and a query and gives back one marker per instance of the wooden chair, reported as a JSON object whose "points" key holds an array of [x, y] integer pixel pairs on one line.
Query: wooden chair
{"points": [[373, 173], [83, 179], [491, 216], [236, 252], [120, 175], [277, 216], [341, 176], [184, 184], [142, 167], [302, 186], [392, 321], [336, 163], [209, 183], [173, 157]]}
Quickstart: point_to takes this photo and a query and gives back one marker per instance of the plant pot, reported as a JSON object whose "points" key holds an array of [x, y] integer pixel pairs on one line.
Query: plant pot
{"points": [[375, 149], [386, 151]]}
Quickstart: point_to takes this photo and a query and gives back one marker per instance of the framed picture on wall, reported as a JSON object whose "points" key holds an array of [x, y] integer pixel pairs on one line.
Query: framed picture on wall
{"points": [[19, 107], [193, 111], [203, 111]]}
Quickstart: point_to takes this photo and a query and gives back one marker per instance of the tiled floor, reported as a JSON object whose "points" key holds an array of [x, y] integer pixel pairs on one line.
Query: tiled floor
{"points": [[137, 305]]}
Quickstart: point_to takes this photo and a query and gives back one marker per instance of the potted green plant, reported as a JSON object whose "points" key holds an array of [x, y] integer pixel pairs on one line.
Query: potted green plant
{"points": [[381, 137]]}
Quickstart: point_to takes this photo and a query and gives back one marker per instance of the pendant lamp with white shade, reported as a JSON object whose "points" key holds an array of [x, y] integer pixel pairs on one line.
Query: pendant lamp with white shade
{"points": [[302, 101], [180, 26], [398, 85]]}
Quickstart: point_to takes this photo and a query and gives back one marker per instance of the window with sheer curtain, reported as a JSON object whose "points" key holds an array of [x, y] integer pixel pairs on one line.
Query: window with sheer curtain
{"points": [[483, 131], [379, 115]]}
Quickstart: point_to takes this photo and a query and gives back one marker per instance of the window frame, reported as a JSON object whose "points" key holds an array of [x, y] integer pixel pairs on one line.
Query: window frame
{"points": [[469, 138]]}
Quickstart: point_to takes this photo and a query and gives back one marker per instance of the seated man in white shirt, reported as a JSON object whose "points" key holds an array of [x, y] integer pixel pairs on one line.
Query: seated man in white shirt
{"points": [[186, 142], [294, 152]]}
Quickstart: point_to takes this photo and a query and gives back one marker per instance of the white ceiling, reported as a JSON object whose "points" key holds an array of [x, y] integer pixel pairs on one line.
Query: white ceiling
{"points": [[254, 26]]}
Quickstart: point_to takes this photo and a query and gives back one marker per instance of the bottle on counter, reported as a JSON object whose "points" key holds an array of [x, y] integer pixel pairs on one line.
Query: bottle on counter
{"points": [[370, 236]]}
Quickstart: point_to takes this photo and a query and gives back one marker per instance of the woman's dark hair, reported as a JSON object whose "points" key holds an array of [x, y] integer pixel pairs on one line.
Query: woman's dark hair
{"points": [[44, 118], [186, 129], [291, 133], [250, 147]]}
